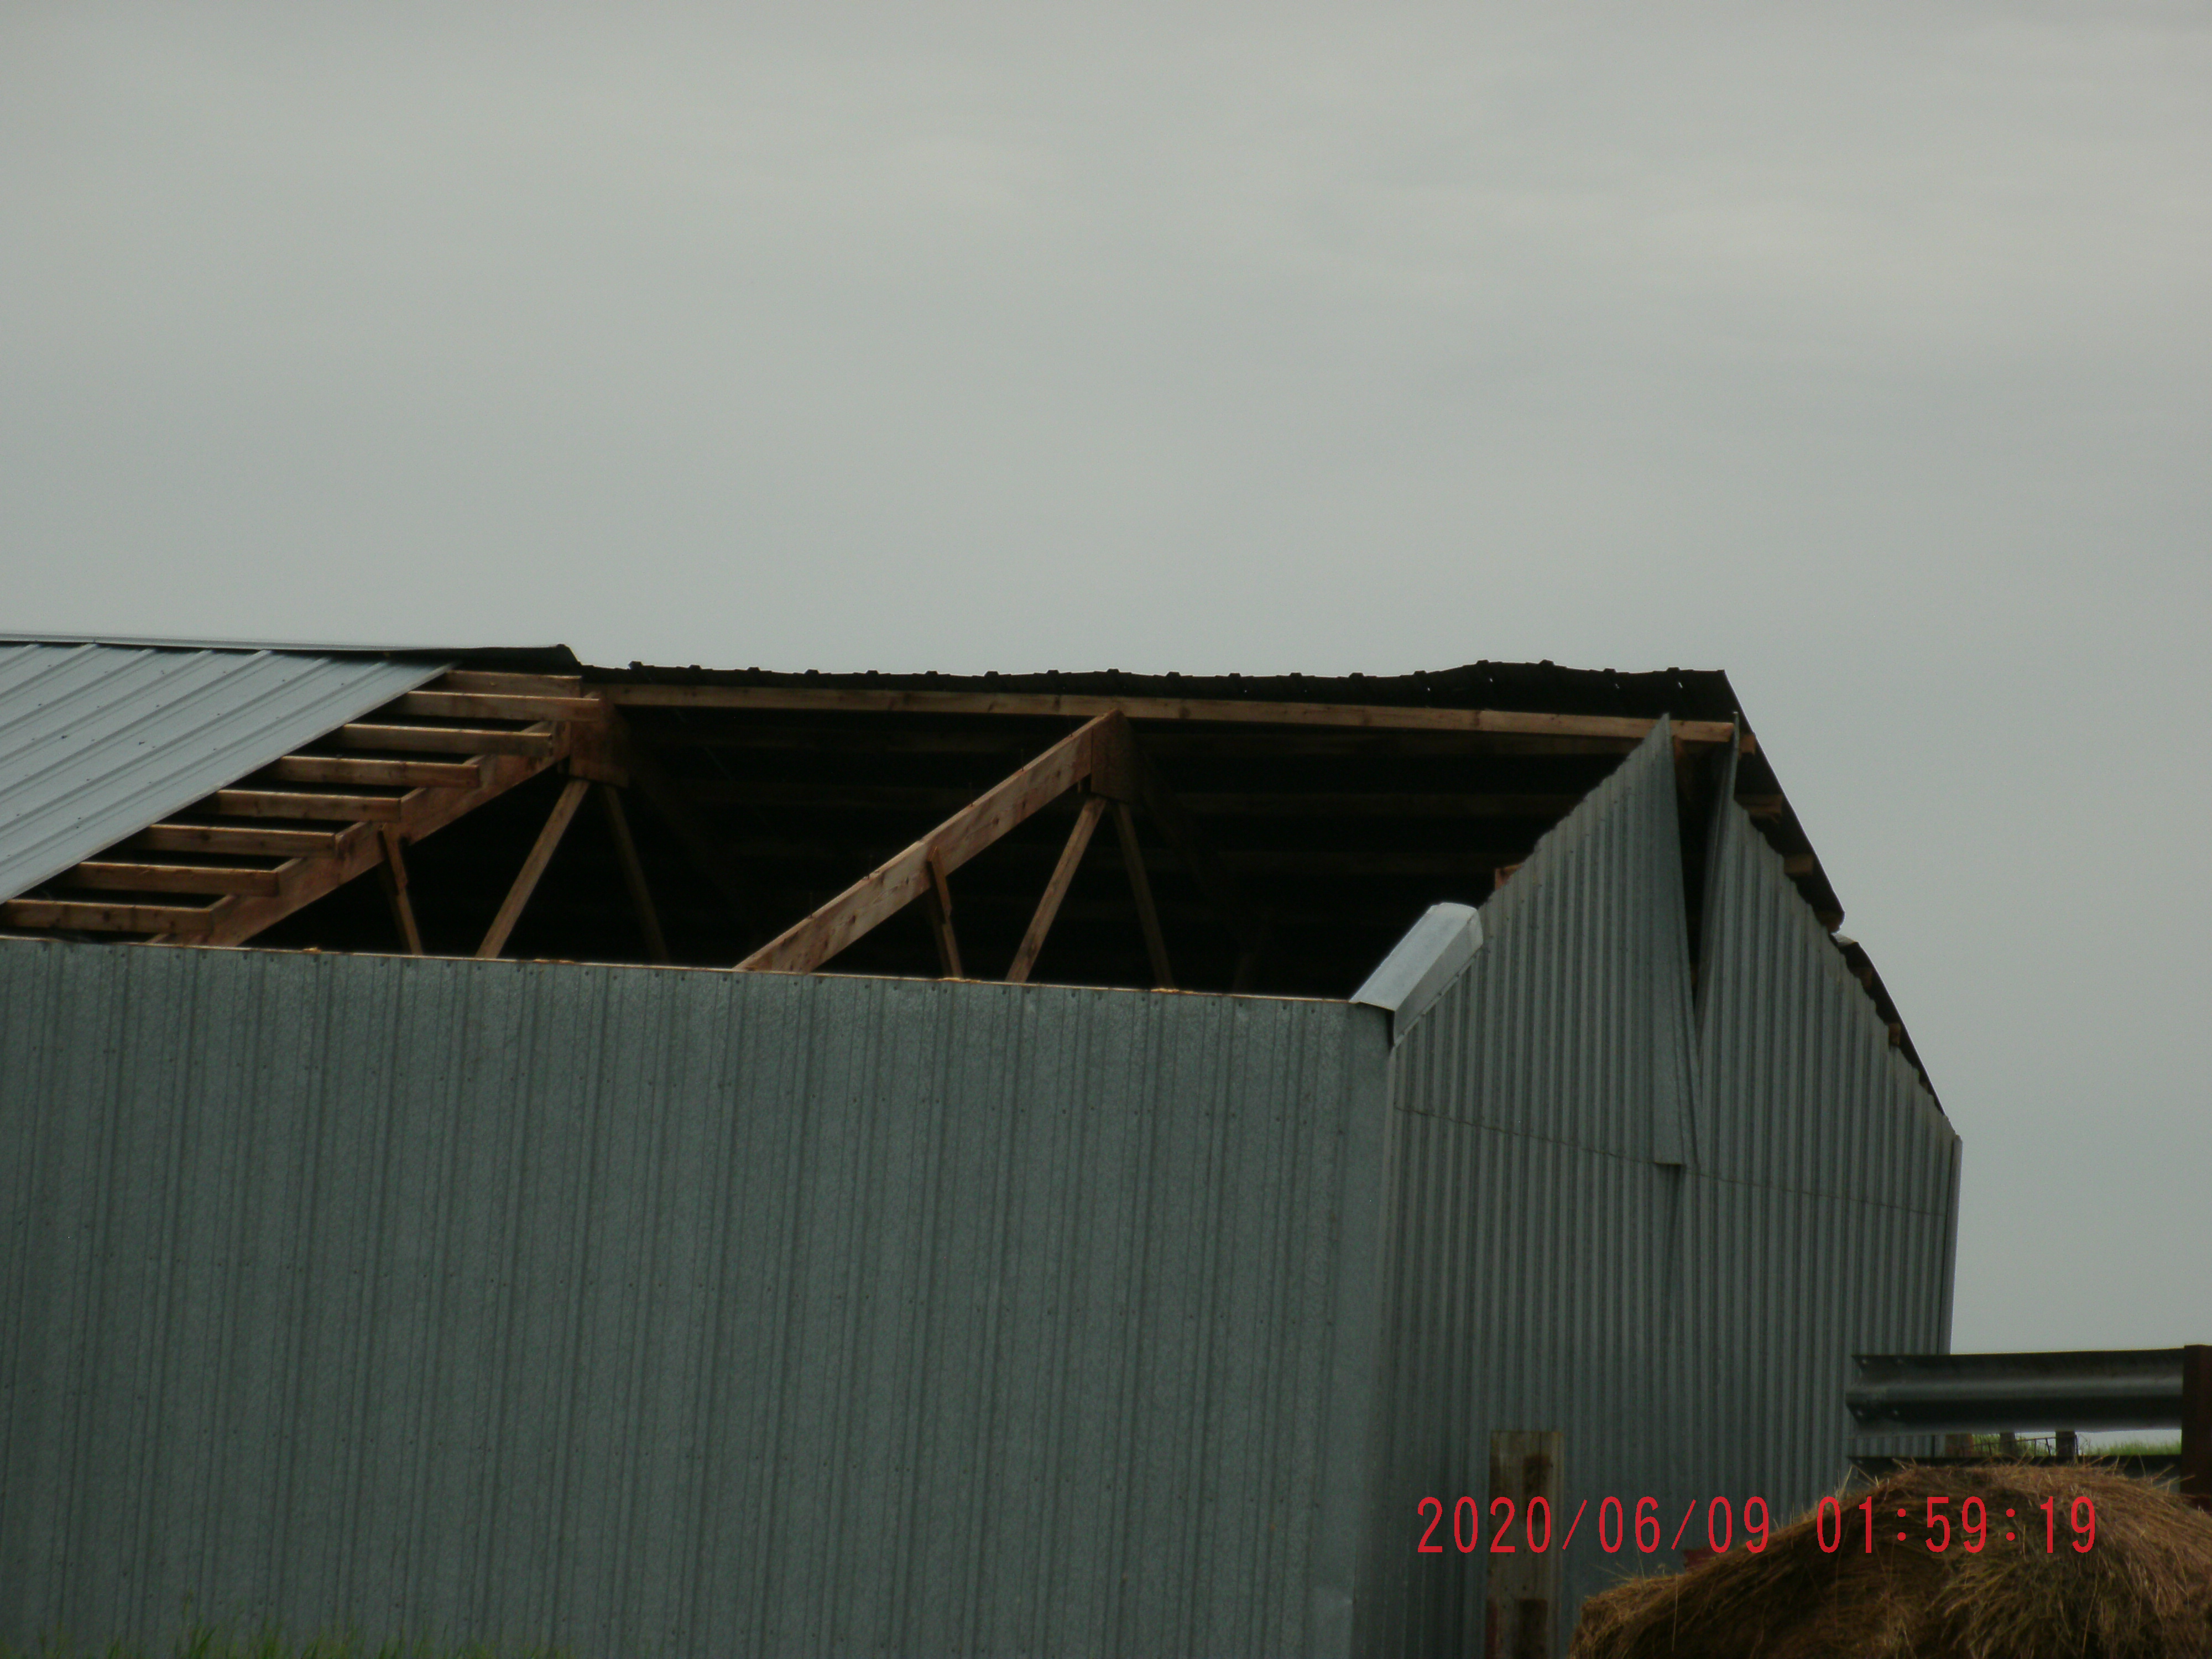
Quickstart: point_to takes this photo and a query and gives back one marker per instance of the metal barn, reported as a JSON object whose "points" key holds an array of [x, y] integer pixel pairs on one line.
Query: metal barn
{"points": [[837, 1194]]}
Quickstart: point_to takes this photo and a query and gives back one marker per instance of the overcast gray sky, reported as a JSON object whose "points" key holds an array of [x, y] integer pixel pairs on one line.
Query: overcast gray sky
{"points": [[1863, 350]]}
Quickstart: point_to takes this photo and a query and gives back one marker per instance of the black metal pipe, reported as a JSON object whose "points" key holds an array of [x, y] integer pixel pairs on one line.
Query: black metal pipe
{"points": [[2126, 1389]]}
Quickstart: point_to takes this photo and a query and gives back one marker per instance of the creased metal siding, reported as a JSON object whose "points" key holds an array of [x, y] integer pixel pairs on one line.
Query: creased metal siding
{"points": [[98, 741], [1653, 1221], [640, 1310], [1827, 1206]]}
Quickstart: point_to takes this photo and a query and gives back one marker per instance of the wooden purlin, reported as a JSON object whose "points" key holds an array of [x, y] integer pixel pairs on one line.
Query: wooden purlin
{"points": [[365, 830], [1170, 710]]}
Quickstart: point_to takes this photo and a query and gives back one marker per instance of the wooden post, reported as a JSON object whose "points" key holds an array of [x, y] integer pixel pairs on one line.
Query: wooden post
{"points": [[541, 854], [391, 875], [1071, 856], [1133, 855], [937, 902], [2196, 1425], [640, 895], [1521, 1618]]}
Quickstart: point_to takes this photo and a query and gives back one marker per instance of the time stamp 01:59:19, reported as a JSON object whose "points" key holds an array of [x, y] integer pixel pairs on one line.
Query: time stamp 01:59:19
{"points": [[1967, 1527]]}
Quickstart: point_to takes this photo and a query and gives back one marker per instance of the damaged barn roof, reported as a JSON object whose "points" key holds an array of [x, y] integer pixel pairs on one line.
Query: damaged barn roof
{"points": [[1275, 833]]}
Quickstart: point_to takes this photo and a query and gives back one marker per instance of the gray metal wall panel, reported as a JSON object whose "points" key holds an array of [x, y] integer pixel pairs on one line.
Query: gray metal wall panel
{"points": [[1553, 1266], [729, 1313], [1830, 1203], [98, 741]]}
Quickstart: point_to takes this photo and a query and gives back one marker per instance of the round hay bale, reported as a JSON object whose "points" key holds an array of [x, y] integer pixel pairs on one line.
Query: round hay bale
{"points": [[2143, 1591]]}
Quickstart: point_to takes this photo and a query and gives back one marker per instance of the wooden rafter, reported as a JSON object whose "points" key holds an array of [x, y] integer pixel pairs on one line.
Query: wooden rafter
{"points": [[896, 884], [365, 805], [1178, 710], [866, 796]]}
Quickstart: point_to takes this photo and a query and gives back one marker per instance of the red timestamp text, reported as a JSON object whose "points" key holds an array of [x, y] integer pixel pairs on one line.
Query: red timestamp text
{"points": [[1633, 1524], [1511, 1527], [1975, 1527]]}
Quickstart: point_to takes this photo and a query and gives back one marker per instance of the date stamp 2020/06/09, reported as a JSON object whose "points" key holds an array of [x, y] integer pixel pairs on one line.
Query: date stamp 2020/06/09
{"points": [[1636, 1525]]}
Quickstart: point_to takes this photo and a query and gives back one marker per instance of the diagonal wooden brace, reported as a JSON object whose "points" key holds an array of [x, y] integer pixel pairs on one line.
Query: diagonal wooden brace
{"points": [[898, 882], [1071, 856], [541, 854], [391, 875]]}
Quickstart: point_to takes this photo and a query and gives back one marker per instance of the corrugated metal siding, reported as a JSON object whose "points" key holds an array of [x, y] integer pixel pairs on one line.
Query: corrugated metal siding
{"points": [[716, 1313], [1831, 1168], [1655, 1222], [98, 741]]}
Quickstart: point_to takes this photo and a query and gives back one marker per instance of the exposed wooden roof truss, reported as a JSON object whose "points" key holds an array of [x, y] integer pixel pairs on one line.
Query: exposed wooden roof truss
{"points": [[248, 856]]}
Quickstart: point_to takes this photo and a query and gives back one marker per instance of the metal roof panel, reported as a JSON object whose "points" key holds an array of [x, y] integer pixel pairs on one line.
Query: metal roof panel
{"points": [[98, 741]]}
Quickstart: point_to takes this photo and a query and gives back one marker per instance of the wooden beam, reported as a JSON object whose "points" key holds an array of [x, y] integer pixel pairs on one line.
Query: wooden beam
{"points": [[391, 875], [356, 849], [751, 732], [640, 895], [490, 706], [891, 886], [525, 880], [284, 804], [384, 774], [1264, 742], [1071, 857], [122, 876], [1133, 857], [191, 920], [537, 740], [1178, 710], [846, 795], [937, 903], [835, 733], [512, 685], [221, 838]]}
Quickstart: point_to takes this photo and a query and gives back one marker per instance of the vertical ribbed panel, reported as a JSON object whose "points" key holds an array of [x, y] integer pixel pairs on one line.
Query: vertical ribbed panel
{"points": [[1573, 1244], [640, 1310], [1824, 1216]]}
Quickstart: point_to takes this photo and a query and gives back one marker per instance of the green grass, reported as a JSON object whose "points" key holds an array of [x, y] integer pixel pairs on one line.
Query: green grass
{"points": [[2041, 1445], [213, 1641]]}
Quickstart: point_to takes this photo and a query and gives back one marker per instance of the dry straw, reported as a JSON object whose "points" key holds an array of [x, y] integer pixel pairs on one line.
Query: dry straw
{"points": [[2142, 1591]]}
